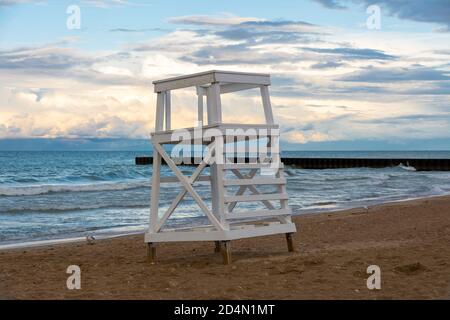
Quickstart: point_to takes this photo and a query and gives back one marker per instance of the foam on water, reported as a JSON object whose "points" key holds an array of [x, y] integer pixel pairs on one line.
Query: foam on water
{"points": [[32, 190]]}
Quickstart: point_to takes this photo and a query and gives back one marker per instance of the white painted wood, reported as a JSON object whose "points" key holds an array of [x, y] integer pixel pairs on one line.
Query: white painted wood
{"points": [[254, 181], [214, 104], [237, 233], [256, 197], [181, 195], [258, 213], [215, 87], [211, 111], [214, 190], [220, 194], [266, 104], [159, 119], [154, 201], [242, 189], [183, 82], [175, 179], [224, 225], [178, 198], [229, 130], [204, 78], [242, 78], [188, 186], [233, 166], [200, 108], [168, 111], [235, 87], [232, 87]]}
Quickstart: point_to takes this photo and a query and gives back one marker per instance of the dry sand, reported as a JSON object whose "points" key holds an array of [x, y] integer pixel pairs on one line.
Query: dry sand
{"points": [[410, 241]]}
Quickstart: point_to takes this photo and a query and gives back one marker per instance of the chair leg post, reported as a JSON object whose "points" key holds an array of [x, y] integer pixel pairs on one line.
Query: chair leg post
{"points": [[290, 242], [151, 252], [216, 246], [226, 252]]}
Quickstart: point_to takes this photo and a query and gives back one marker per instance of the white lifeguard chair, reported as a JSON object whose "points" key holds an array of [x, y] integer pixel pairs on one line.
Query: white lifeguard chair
{"points": [[246, 176]]}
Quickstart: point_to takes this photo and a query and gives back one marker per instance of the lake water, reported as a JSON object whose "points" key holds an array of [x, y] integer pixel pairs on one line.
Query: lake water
{"points": [[54, 195]]}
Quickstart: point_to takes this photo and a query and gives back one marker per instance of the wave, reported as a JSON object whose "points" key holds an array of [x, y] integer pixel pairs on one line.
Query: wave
{"points": [[437, 190], [32, 190], [75, 207], [324, 203], [407, 167]]}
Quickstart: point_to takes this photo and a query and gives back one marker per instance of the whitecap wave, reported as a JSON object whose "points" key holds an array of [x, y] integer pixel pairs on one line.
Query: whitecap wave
{"points": [[72, 207], [406, 167], [32, 190], [437, 190]]}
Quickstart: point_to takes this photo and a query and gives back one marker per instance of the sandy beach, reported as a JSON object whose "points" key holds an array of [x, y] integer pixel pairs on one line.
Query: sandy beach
{"points": [[409, 241]]}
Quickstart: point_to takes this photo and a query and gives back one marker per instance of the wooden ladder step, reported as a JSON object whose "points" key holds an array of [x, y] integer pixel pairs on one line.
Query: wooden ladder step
{"points": [[256, 197], [258, 213], [175, 179], [254, 181], [232, 166]]}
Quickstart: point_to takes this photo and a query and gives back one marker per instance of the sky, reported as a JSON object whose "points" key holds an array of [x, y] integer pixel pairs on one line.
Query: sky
{"points": [[346, 74]]}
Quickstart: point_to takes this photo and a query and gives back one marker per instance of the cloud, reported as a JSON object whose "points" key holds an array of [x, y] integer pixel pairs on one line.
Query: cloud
{"points": [[106, 127], [316, 73], [327, 65], [236, 54], [64, 62], [261, 37], [106, 3], [94, 3], [354, 53], [332, 4], [248, 28], [52, 113], [431, 11], [408, 118], [43, 58], [128, 30], [383, 75], [435, 11], [232, 42], [6, 3], [281, 31], [299, 137], [442, 52], [206, 20]]}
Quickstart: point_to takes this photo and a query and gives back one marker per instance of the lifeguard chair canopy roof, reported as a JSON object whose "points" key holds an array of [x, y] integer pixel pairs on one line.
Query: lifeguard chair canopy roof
{"points": [[226, 79]]}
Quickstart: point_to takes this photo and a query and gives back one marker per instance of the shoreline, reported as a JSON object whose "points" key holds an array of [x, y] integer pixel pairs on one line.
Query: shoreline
{"points": [[408, 240], [99, 237]]}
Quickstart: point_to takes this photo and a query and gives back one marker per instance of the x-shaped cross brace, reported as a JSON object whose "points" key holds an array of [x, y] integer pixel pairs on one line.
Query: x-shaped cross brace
{"points": [[252, 188], [187, 183]]}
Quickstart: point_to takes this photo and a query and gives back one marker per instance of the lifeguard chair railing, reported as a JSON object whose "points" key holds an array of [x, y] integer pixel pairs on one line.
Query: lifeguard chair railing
{"points": [[233, 177]]}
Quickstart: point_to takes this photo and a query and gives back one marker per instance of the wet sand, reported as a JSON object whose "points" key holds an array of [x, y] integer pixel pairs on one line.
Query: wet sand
{"points": [[409, 241]]}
